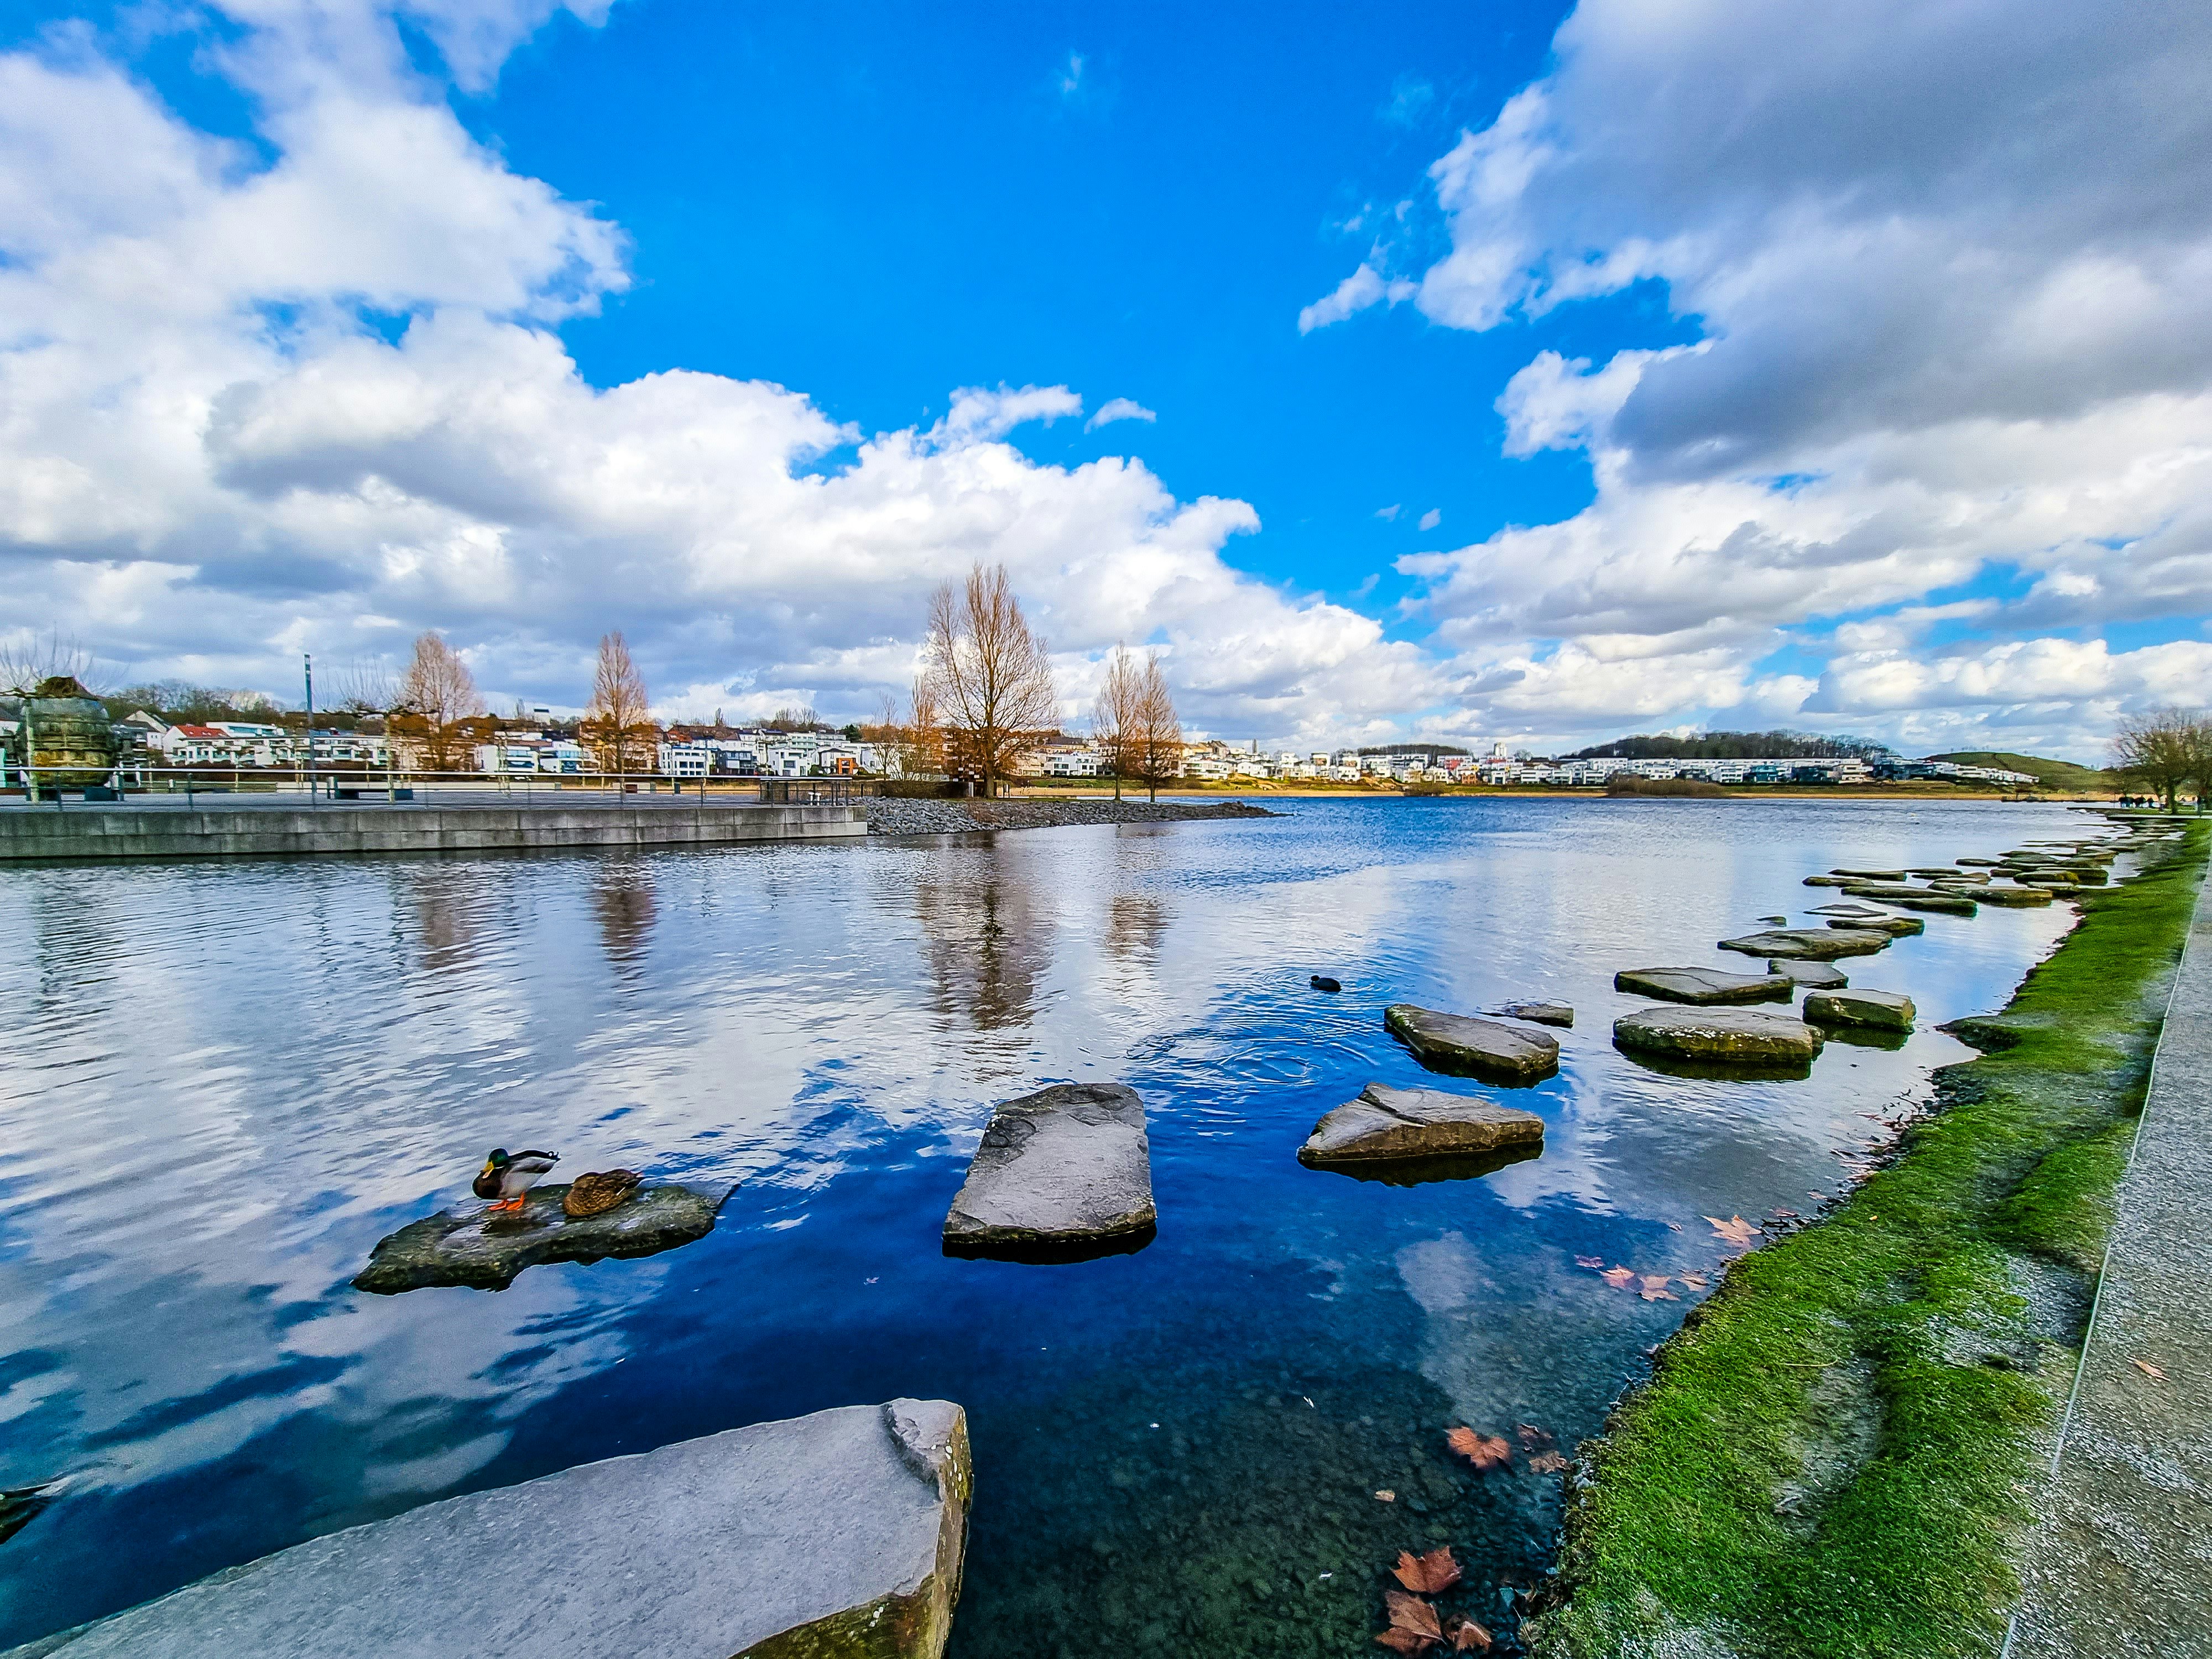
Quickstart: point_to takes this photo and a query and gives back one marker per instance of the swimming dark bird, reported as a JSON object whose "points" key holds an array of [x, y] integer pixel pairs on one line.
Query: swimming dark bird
{"points": [[1323, 983], [509, 1178]]}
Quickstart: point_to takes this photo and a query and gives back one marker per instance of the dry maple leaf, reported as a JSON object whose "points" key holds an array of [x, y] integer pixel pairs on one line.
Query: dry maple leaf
{"points": [[1695, 1281], [1589, 1262], [1413, 1613], [1550, 1463], [2148, 1369], [1469, 1635], [1619, 1277], [1656, 1281], [1429, 1574], [1405, 1641], [1532, 1436], [1736, 1231], [1483, 1450], [1660, 1295]]}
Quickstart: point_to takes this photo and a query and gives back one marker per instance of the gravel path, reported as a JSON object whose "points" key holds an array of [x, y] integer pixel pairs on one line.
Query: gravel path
{"points": [[890, 816]]}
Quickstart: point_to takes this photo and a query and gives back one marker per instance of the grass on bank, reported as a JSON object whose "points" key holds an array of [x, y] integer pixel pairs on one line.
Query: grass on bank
{"points": [[1834, 1454]]}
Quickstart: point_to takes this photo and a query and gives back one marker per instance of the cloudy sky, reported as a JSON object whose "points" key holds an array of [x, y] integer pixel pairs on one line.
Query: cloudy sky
{"points": [[1496, 371]]}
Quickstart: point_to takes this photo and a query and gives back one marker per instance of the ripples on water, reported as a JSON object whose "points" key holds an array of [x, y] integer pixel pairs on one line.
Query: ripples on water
{"points": [[220, 1083]]}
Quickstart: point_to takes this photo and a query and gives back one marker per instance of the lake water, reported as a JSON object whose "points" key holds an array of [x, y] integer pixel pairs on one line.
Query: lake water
{"points": [[220, 1083]]}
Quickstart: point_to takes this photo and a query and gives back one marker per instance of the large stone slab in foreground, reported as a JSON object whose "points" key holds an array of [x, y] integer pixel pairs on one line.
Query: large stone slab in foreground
{"points": [[1068, 1166], [1395, 1126], [841, 1532], [1722, 1037], [1703, 985], [1512, 1055], [486, 1251], [1820, 943]]}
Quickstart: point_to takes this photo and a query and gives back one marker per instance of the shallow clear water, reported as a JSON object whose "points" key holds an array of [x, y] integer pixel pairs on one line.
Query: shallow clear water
{"points": [[222, 1083]]}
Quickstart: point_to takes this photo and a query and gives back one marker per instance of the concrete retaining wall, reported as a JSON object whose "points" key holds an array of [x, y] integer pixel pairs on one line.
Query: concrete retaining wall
{"points": [[163, 832]]}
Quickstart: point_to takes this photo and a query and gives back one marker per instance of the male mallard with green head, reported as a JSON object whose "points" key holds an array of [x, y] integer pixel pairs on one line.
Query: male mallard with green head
{"points": [[509, 1179]]}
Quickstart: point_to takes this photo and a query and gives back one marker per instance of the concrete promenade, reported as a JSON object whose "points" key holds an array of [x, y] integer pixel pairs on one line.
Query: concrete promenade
{"points": [[279, 825], [2122, 1562]]}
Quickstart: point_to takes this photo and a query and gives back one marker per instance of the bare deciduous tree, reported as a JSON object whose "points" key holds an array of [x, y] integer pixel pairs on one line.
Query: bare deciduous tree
{"points": [[617, 724], [1117, 719], [27, 661], [988, 677], [2163, 749], [1156, 755], [440, 693]]}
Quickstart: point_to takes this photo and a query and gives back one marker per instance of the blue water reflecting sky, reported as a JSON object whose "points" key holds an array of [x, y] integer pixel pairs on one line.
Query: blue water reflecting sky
{"points": [[220, 1083]]}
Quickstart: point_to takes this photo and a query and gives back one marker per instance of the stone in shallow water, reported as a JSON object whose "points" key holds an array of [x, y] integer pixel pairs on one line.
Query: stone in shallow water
{"points": [[1880, 1010], [841, 1532], [486, 1251], [1823, 944], [1702, 984], [1540, 1013], [1067, 1165], [1508, 1054], [1870, 875], [2013, 898], [1819, 976], [1948, 902], [1828, 881], [1388, 1125], [1718, 1036], [1895, 926]]}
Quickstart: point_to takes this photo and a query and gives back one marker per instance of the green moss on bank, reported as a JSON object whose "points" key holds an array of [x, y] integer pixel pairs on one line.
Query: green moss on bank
{"points": [[1833, 1454]]}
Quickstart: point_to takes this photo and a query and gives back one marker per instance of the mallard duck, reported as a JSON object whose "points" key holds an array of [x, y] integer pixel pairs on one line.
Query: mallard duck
{"points": [[596, 1191], [509, 1178]]}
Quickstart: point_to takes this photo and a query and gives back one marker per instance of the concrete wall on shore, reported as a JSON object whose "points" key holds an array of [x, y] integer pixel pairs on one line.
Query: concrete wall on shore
{"points": [[122, 832]]}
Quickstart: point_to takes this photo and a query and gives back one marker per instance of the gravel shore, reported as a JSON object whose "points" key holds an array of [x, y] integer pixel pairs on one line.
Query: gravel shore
{"points": [[890, 816]]}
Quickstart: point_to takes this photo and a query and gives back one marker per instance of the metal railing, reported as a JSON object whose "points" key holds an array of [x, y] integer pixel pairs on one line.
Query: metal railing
{"points": [[352, 784]]}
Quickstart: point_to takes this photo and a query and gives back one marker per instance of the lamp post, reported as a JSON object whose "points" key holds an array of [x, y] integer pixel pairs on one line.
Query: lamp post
{"points": [[307, 663]]}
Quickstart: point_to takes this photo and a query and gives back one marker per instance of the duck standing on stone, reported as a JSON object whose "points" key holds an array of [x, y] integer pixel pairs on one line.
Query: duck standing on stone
{"points": [[509, 1179]]}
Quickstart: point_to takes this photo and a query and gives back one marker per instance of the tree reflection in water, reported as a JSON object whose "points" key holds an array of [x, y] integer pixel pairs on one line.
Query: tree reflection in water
{"points": [[623, 904], [985, 942]]}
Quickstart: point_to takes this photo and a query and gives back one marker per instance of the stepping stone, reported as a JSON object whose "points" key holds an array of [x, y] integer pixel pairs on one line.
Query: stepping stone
{"points": [[1870, 875], [1827, 881], [1878, 1010], [1939, 870], [1818, 975], [842, 1532], [1746, 1036], [2003, 897], [1824, 945], [1388, 1125], [1067, 1165], [1846, 910], [1977, 864], [1509, 1055], [1914, 898], [485, 1251], [1540, 1013], [1895, 926], [1704, 986], [2061, 884]]}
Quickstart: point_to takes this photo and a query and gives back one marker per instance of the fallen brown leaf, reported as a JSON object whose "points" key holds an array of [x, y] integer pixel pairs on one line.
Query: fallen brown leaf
{"points": [[2148, 1369], [1430, 1575], [1736, 1231], [1387, 1496], [1469, 1635], [1484, 1451], [1695, 1281], [1619, 1277], [1405, 1641], [1656, 1282], [1589, 1262], [1532, 1436], [1413, 1613], [1550, 1463]]}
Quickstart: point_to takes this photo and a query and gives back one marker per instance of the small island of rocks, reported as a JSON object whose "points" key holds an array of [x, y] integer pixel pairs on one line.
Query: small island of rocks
{"points": [[484, 1250]]}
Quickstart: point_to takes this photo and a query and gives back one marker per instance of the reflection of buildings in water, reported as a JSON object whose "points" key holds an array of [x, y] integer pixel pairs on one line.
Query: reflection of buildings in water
{"points": [[986, 946], [623, 901], [1135, 925]]}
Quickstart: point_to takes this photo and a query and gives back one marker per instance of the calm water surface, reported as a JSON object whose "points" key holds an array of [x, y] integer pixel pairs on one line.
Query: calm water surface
{"points": [[222, 1083]]}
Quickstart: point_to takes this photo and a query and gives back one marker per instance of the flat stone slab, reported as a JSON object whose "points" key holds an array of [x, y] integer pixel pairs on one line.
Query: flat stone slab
{"points": [[1977, 864], [1068, 1165], [1511, 1055], [1843, 910], [1822, 944], [1396, 1126], [840, 1532], [1914, 898], [1718, 1036], [1877, 1011], [1870, 875], [485, 1251], [1540, 1013], [1703, 985], [1895, 926], [1829, 881], [2011, 898], [1818, 975]]}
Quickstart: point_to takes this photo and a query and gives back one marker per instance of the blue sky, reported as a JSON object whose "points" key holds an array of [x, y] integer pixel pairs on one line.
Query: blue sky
{"points": [[1519, 373]]}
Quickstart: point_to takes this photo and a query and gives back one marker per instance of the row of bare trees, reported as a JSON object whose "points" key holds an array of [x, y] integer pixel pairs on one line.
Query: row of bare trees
{"points": [[434, 708], [2164, 752]]}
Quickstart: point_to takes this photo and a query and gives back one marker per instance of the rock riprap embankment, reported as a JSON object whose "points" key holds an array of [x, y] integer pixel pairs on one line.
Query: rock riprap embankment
{"points": [[1871, 1010], [1720, 1037], [893, 815], [485, 1251], [839, 1533], [1068, 1166], [1703, 985], [1822, 944], [1485, 1049], [1395, 1126], [1817, 976]]}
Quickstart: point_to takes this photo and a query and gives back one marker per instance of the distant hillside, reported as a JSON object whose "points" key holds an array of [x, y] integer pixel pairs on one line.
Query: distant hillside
{"points": [[2051, 773], [1734, 746]]}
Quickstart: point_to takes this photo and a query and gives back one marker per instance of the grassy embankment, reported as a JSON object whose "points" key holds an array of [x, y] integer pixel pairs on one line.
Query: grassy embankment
{"points": [[1836, 1453]]}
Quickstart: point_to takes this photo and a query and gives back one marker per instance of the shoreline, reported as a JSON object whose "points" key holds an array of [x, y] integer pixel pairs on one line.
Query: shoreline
{"points": [[1834, 1453], [1068, 789]]}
